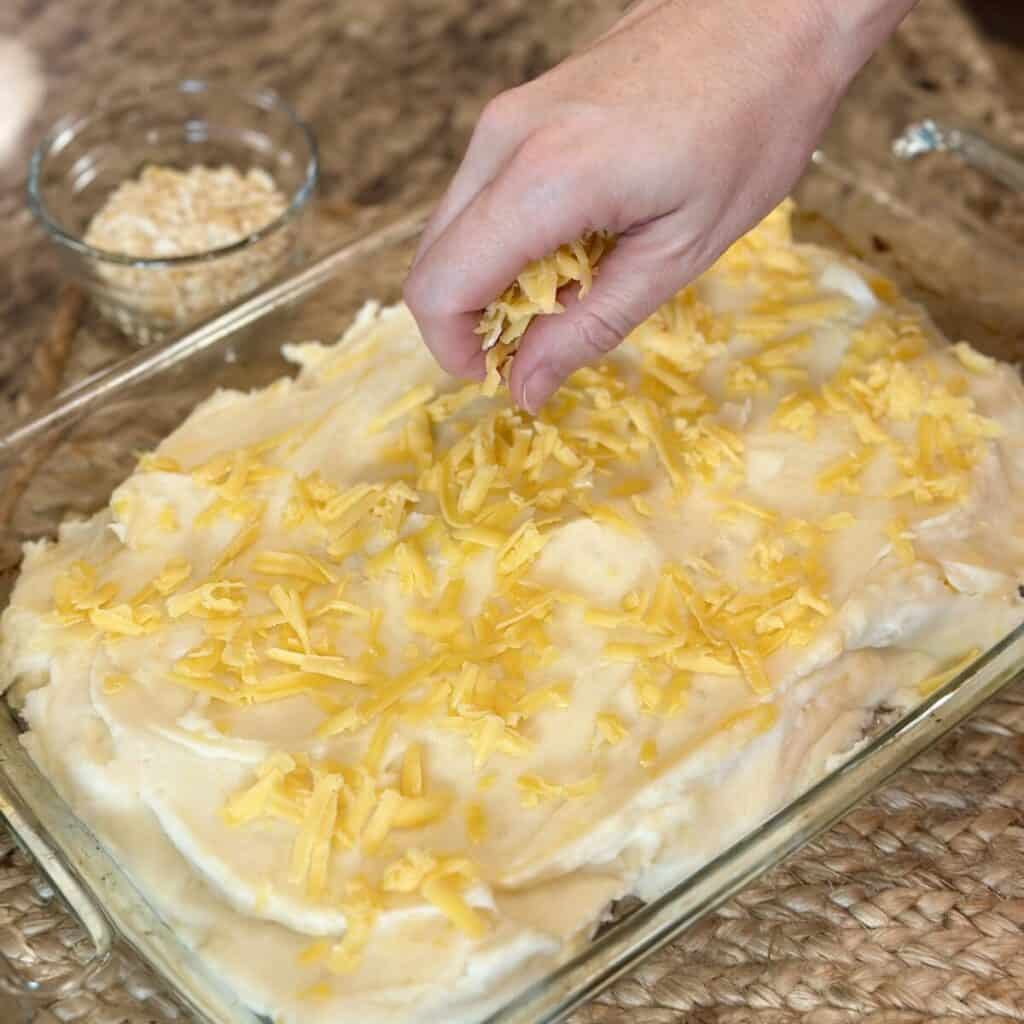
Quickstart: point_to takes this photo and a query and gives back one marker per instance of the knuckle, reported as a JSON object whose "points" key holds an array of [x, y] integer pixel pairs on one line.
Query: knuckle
{"points": [[548, 146], [595, 333], [695, 250], [412, 292], [422, 298], [502, 112], [548, 170]]}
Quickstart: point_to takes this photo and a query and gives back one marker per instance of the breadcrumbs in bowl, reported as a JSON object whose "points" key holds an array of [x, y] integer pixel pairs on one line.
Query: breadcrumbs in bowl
{"points": [[171, 204]]}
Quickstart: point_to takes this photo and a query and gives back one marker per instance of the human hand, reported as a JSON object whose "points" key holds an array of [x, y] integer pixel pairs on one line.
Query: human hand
{"points": [[677, 131]]}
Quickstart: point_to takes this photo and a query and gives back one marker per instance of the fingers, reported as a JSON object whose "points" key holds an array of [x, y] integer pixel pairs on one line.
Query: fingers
{"points": [[504, 124], [645, 269], [534, 205]]}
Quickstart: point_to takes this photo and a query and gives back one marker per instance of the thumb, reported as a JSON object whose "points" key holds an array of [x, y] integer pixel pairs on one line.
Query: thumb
{"points": [[645, 269]]}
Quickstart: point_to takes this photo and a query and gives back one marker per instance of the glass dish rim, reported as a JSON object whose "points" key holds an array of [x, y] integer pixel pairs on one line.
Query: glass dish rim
{"points": [[583, 972], [73, 122]]}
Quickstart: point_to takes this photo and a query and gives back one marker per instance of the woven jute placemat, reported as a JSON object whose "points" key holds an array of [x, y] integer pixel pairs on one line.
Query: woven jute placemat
{"points": [[911, 910]]}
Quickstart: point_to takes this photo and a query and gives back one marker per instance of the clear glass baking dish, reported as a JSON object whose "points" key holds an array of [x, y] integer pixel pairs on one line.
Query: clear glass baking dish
{"points": [[68, 458]]}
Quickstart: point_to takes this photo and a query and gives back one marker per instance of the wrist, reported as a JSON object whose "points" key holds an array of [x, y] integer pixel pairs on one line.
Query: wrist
{"points": [[856, 29]]}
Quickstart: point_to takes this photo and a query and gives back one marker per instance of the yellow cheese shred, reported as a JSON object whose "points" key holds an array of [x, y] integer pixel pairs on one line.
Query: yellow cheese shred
{"points": [[609, 729], [115, 682], [447, 898], [311, 850], [535, 293], [476, 822], [412, 771], [360, 906], [534, 790], [315, 952], [319, 991], [648, 754]]}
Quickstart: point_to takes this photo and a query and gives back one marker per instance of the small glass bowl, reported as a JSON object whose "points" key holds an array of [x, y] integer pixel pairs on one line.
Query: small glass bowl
{"points": [[85, 157]]}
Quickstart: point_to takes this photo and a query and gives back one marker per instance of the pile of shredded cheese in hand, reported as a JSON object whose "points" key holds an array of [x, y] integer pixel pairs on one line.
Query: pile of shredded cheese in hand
{"points": [[382, 689], [535, 293]]}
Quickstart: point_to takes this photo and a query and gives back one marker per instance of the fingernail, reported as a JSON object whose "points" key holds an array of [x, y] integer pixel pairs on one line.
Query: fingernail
{"points": [[537, 388]]}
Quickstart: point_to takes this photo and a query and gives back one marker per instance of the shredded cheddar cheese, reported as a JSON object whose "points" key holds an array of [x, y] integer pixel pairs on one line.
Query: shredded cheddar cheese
{"points": [[648, 754], [535, 293], [534, 790], [609, 729]]}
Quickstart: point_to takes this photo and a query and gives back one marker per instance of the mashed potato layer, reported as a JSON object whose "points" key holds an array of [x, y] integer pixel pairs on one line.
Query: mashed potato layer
{"points": [[382, 690]]}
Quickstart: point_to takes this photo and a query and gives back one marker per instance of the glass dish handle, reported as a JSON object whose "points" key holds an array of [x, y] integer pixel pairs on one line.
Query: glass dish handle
{"points": [[930, 136], [85, 910]]}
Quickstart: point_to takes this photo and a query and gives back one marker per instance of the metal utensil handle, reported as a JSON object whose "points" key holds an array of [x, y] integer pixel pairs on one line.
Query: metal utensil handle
{"points": [[89, 915], [930, 136]]}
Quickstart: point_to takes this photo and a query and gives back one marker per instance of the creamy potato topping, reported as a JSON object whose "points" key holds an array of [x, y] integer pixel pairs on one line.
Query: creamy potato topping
{"points": [[383, 690]]}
